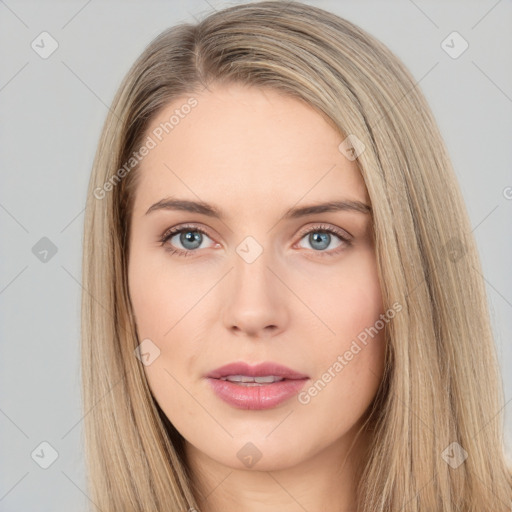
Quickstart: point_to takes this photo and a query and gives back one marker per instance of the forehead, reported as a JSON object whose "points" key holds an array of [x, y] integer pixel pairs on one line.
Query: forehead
{"points": [[245, 145]]}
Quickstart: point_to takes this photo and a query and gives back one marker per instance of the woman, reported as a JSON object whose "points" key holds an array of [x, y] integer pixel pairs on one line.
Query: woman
{"points": [[281, 308]]}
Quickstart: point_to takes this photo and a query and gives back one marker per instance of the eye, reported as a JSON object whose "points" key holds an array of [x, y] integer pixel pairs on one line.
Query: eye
{"points": [[320, 237], [189, 237]]}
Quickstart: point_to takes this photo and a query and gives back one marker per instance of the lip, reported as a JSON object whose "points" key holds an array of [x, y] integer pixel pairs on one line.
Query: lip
{"points": [[256, 397], [258, 370]]}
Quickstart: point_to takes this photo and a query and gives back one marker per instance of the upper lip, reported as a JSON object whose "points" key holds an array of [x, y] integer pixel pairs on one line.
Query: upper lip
{"points": [[258, 370]]}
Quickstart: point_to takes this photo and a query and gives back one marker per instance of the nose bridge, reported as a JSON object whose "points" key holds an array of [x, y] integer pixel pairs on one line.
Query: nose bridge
{"points": [[251, 271], [256, 299]]}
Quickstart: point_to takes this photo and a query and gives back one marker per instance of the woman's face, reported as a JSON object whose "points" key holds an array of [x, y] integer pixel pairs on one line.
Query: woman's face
{"points": [[263, 280]]}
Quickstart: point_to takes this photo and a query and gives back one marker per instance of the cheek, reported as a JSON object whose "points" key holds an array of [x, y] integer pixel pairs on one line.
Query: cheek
{"points": [[159, 297], [350, 365], [351, 301], [165, 307]]}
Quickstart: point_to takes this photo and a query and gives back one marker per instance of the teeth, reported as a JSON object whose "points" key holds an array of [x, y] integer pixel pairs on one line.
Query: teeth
{"points": [[268, 379]]}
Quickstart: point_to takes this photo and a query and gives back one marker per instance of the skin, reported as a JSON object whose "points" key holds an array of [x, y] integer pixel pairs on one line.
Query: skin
{"points": [[254, 153]]}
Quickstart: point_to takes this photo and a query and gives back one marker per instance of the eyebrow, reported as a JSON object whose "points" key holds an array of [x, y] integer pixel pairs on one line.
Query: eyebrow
{"points": [[292, 213]]}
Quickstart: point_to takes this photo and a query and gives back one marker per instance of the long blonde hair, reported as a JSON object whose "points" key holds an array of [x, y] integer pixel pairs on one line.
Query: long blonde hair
{"points": [[442, 383]]}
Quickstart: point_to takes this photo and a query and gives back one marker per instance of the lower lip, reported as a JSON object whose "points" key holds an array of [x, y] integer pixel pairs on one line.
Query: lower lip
{"points": [[264, 396]]}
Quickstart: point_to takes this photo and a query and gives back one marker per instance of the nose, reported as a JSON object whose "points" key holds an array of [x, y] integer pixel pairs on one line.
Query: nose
{"points": [[256, 299]]}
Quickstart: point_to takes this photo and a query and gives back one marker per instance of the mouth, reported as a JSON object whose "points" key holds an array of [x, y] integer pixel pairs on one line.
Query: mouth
{"points": [[263, 386]]}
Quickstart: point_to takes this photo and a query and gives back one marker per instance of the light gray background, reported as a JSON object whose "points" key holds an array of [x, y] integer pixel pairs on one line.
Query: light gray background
{"points": [[51, 114]]}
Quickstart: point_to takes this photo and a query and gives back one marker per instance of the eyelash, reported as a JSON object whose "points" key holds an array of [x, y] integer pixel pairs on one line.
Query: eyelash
{"points": [[323, 228]]}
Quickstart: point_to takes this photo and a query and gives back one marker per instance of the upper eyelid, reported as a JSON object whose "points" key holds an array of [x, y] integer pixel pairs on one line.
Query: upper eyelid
{"points": [[177, 229], [319, 226], [322, 226]]}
